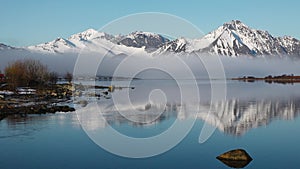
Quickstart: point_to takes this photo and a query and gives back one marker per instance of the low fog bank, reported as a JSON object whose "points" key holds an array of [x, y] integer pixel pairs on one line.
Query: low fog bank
{"points": [[260, 67], [203, 67], [60, 63], [161, 67]]}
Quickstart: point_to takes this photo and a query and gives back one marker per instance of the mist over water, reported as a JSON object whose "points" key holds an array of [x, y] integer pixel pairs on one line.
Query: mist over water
{"points": [[260, 67], [60, 63], [198, 64]]}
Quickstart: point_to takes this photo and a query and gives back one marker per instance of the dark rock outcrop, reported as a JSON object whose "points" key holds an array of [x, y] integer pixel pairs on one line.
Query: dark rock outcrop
{"points": [[237, 158]]}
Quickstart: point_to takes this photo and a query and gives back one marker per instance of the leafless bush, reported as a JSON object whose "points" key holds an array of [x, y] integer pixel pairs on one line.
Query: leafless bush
{"points": [[26, 72]]}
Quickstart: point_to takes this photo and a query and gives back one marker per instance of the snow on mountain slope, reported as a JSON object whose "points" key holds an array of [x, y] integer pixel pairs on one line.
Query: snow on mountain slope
{"points": [[109, 48], [225, 42], [5, 47], [241, 39], [59, 45], [231, 39], [74, 43], [104, 43], [290, 44], [80, 39], [85, 35], [234, 39], [177, 46], [139, 39], [222, 41]]}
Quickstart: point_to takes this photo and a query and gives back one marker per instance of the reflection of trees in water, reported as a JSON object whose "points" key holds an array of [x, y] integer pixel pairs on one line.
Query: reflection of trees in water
{"points": [[22, 126]]}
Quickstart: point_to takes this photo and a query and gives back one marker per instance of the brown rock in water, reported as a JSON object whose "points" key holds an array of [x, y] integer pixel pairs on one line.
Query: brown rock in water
{"points": [[238, 158]]}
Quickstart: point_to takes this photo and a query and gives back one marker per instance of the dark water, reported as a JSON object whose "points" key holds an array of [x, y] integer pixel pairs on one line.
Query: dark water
{"points": [[261, 118]]}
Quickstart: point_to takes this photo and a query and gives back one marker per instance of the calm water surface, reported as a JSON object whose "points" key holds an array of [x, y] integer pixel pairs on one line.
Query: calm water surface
{"points": [[259, 117]]}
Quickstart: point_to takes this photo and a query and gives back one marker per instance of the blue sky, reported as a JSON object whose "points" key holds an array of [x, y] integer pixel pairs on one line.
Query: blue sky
{"points": [[29, 22]]}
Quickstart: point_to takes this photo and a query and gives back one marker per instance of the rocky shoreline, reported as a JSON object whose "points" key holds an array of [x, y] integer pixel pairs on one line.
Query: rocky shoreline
{"points": [[51, 99]]}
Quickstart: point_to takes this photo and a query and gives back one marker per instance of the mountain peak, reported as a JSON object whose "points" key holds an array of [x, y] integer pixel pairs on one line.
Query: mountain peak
{"points": [[3, 46], [235, 24], [233, 39], [85, 35], [144, 33], [59, 39], [139, 39], [91, 31], [238, 22]]}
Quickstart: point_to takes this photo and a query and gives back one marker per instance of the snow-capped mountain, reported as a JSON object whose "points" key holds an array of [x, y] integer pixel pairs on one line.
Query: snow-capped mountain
{"points": [[90, 34], [177, 46], [290, 44], [138, 39], [234, 39], [59, 45], [231, 39], [74, 43], [146, 40], [5, 47]]}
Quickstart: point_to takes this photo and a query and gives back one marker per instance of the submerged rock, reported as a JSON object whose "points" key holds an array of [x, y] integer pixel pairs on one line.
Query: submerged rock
{"points": [[237, 158]]}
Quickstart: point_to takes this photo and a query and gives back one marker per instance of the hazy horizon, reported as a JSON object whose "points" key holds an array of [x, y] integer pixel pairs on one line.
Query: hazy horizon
{"points": [[234, 67]]}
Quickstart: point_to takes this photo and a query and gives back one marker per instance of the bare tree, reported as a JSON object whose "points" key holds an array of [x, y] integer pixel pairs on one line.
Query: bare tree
{"points": [[53, 78], [15, 74], [36, 72], [68, 77], [26, 72]]}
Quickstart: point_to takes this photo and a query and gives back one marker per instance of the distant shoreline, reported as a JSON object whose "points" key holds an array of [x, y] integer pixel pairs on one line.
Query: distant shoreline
{"points": [[284, 79]]}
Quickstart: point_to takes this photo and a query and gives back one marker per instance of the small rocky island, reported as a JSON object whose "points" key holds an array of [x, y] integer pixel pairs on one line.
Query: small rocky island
{"points": [[283, 79]]}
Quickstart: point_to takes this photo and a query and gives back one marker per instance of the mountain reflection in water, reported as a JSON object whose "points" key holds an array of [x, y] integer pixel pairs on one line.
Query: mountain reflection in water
{"points": [[234, 117], [246, 106]]}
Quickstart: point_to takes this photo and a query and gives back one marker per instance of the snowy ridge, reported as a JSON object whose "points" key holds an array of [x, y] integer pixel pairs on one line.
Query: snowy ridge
{"points": [[5, 47], [231, 39], [237, 38], [59, 45], [74, 43], [149, 41], [176, 46], [234, 39], [121, 44], [290, 44]]}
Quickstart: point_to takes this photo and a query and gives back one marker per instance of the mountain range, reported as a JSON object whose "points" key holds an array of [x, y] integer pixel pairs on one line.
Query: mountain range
{"points": [[231, 39]]}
